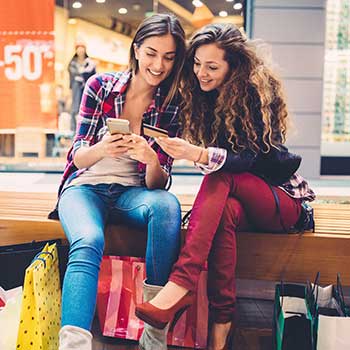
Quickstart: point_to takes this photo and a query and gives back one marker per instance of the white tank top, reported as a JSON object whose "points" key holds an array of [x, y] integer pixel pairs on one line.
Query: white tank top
{"points": [[122, 170]]}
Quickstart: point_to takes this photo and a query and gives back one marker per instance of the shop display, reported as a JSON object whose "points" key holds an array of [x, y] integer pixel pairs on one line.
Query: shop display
{"points": [[37, 43], [27, 74], [336, 100]]}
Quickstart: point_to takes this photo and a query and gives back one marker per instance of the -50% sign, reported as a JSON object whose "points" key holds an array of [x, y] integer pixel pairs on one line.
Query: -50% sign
{"points": [[25, 61]]}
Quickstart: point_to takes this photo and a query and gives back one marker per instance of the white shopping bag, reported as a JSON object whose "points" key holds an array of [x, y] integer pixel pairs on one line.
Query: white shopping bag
{"points": [[10, 302], [333, 331]]}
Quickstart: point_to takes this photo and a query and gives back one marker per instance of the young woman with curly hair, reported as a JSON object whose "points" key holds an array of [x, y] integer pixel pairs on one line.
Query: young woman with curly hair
{"points": [[234, 121]]}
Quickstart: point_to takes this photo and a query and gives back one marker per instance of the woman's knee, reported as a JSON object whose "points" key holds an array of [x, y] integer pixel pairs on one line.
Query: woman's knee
{"points": [[233, 212], [165, 220], [164, 203], [88, 244]]}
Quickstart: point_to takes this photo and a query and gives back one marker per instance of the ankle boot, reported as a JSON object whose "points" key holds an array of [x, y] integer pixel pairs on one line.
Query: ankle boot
{"points": [[74, 338], [152, 338]]}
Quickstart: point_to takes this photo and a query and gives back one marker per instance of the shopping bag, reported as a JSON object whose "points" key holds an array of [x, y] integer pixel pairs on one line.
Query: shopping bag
{"points": [[333, 318], [14, 259], [294, 321], [10, 308], [120, 288], [40, 318]]}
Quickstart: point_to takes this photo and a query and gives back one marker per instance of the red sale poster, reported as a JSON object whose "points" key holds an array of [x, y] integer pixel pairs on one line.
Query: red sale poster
{"points": [[27, 76]]}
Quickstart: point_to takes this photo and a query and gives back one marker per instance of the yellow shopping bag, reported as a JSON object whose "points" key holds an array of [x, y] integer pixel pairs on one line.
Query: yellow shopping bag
{"points": [[41, 303]]}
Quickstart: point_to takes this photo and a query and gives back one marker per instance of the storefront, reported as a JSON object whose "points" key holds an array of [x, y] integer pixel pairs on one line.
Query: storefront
{"points": [[37, 43], [335, 148]]}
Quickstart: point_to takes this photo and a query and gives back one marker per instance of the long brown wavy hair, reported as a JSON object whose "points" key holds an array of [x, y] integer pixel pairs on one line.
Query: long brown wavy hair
{"points": [[249, 107]]}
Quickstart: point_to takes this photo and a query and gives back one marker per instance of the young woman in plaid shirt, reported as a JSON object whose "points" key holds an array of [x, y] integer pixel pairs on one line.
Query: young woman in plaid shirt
{"points": [[122, 176], [234, 118]]}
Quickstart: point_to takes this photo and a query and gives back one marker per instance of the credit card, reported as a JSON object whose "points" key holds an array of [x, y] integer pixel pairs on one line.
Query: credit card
{"points": [[153, 131]]}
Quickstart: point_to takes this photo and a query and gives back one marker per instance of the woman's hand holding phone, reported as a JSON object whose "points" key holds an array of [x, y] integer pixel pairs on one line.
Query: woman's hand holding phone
{"points": [[139, 149], [133, 145], [113, 145]]}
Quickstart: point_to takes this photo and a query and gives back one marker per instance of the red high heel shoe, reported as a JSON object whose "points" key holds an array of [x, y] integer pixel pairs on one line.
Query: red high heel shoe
{"points": [[159, 318]]}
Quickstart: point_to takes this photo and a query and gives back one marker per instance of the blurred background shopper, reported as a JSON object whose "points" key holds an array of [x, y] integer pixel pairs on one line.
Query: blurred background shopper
{"points": [[81, 68]]}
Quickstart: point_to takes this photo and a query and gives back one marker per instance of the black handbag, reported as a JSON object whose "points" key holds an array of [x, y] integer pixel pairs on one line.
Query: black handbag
{"points": [[277, 166], [306, 220], [14, 259]]}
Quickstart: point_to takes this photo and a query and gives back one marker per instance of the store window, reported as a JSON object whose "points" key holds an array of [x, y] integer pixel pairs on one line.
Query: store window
{"points": [[335, 148], [37, 49]]}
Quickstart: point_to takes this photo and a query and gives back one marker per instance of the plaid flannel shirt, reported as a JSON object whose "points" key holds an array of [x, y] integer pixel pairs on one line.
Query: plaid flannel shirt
{"points": [[104, 96], [296, 186]]}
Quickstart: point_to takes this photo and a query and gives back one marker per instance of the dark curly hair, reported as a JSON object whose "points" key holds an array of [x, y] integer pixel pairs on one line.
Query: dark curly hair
{"points": [[250, 94]]}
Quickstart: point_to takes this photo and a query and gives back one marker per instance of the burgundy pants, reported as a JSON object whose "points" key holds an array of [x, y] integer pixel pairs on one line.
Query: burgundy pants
{"points": [[227, 203]]}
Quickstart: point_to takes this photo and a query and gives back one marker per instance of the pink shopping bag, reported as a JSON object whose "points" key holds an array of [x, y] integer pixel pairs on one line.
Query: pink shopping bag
{"points": [[120, 288]]}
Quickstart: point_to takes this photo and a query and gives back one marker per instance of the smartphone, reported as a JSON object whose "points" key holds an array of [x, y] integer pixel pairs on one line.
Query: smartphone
{"points": [[153, 131], [118, 126]]}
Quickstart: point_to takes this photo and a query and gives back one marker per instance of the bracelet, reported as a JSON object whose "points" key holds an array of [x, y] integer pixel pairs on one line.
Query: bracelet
{"points": [[200, 156]]}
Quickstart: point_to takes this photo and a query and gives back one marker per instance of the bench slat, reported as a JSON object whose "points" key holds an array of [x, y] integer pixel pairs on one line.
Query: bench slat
{"points": [[23, 218], [293, 257]]}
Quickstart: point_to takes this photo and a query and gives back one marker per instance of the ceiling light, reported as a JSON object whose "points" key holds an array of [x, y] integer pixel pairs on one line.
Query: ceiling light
{"points": [[223, 13], [123, 11], [229, 0], [237, 6], [136, 7], [197, 3], [77, 5], [100, 1]]}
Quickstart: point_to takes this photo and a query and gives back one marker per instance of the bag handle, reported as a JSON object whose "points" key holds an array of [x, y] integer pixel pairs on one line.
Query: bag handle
{"points": [[340, 296], [137, 271], [169, 183], [278, 206], [340, 287], [282, 292], [311, 289], [186, 218], [312, 297], [37, 257]]}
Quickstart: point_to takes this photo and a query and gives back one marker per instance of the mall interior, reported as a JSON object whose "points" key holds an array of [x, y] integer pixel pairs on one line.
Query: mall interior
{"points": [[306, 42]]}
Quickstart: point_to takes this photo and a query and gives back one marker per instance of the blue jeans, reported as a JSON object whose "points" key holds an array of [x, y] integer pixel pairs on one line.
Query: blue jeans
{"points": [[83, 212]]}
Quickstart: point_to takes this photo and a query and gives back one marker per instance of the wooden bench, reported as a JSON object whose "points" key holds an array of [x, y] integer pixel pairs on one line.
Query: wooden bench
{"points": [[261, 256]]}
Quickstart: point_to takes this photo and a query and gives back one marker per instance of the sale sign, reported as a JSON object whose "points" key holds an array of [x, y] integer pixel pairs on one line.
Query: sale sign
{"points": [[27, 76]]}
